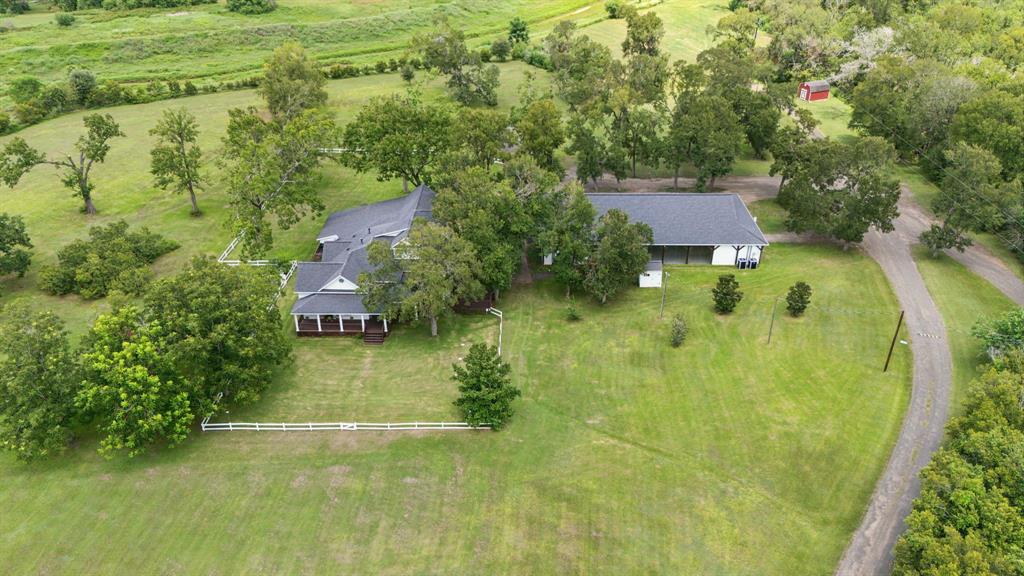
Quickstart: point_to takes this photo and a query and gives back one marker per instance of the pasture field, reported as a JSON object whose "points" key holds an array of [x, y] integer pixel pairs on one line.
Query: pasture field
{"points": [[208, 41], [726, 456]]}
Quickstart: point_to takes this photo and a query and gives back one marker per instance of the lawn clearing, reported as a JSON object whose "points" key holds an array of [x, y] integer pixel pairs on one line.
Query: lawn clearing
{"points": [[963, 298], [771, 217], [725, 456]]}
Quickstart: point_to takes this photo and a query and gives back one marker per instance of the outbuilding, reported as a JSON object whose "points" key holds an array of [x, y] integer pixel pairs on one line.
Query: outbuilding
{"points": [[814, 90], [690, 228]]}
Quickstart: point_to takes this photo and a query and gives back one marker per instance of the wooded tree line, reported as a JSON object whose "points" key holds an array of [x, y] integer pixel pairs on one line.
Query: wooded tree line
{"points": [[144, 372], [939, 80], [969, 518]]}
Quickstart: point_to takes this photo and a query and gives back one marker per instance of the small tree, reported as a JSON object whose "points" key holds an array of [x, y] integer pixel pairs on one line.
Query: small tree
{"points": [[292, 82], [14, 245], [798, 298], [541, 133], [945, 237], [518, 31], [38, 381], [485, 387], [18, 158], [82, 84], [500, 49], [679, 330], [726, 294], [176, 157]]}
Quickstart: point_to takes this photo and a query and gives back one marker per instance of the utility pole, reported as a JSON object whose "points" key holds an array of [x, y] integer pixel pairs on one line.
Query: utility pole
{"points": [[664, 286], [772, 325], [895, 335]]}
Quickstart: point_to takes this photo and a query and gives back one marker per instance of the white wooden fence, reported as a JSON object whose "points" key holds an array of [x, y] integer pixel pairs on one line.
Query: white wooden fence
{"points": [[344, 426]]}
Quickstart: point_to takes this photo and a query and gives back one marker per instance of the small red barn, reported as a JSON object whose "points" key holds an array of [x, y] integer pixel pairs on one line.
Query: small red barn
{"points": [[814, 90]]}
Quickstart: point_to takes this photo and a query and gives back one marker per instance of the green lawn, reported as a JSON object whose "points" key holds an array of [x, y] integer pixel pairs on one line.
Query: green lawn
{"points": [[686, 24], [833, 116], [963, 298], [771, 217], [124, 187], [726, 456]]}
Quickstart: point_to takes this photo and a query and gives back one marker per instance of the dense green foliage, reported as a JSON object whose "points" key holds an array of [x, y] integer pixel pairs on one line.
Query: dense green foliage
{"points": [[470, 80], [221, 335], [112, 258], [679, 330], [1002, 334], [398, 136], [15, 244], [969, 518], [438, 269], [839, 189], [252, 6], [485, 387], [38, 383], [618, 256], [488, 215], [798, 298], [292, 83], [726, 294]]}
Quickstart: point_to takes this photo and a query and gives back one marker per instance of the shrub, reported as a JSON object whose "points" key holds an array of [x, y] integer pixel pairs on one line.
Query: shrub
{"points": [[64, 19], [24, 89], [67, 5], [679, 330], [408, 72], [82, 84], [252, 6], [501, 49], [572, 314], [726, 294], [798, 298], [190, 88], [537, 58], [380, 66], [174, 87], [519, 51], [485, 54], [111, 258], [15, 7], [54, 99], [613, 8], [5, 123]]}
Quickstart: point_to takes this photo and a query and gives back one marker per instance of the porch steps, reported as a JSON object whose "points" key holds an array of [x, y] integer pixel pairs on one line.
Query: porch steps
{"points": [[373, 338]]}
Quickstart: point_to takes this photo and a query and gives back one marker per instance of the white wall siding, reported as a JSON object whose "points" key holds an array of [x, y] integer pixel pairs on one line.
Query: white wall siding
{"points": [[724, 256], [650, 279]]}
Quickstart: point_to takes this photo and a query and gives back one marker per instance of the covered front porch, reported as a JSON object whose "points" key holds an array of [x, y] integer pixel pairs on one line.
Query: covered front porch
{"points": [[371, 327]]}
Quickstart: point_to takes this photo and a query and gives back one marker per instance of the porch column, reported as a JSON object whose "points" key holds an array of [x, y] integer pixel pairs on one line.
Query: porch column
{"points": [[318, 328], [385, 324], [362, 322], [296, 322]]}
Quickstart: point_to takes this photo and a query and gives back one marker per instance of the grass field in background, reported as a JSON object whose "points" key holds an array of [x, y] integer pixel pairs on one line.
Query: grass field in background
{"points": [[725, 456], [207, 40]]}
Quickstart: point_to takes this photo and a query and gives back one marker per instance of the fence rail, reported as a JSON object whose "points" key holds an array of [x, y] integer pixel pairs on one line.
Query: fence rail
{"points": [[345, 426]]}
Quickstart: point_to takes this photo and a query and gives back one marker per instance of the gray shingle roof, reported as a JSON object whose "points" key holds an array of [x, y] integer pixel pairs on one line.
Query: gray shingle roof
{"points": [[687, 219], [330, 304], [345, 237], [817, 85]]}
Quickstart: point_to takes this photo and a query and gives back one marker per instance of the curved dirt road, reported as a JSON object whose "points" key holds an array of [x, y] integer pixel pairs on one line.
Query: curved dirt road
{"points": [[870, 550]]}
